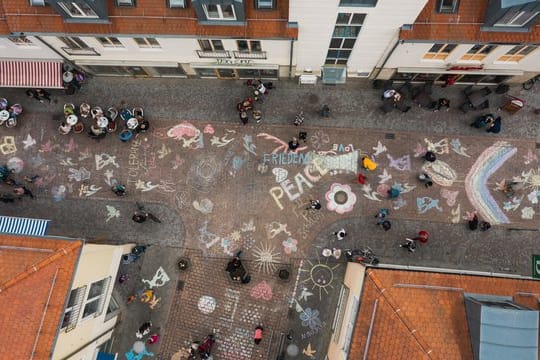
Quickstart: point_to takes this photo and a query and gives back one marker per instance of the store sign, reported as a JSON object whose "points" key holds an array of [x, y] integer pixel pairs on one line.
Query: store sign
{"points": [[536, 266], [464, 68], [233, 62]]}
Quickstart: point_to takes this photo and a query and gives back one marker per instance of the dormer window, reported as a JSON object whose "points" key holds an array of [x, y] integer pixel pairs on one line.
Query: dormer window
{"points": [[516, 18], [219, 12], [78, 10]]}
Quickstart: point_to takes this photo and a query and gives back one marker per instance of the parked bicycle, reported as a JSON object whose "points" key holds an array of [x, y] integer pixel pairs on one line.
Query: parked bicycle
{"points": [[363, 256], [529, 84]]}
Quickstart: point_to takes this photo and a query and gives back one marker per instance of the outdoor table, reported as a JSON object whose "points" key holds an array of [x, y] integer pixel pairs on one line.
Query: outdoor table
{"points": [[102, 122], [132, 123], [4, 115], [476, 98], [67, 76], [72, 119]]}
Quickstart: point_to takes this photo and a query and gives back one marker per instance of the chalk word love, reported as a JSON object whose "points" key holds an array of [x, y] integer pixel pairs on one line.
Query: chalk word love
{"points": [[286, 158], [342, 148]]}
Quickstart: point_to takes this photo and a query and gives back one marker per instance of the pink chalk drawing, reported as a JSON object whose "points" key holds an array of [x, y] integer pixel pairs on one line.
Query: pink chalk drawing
{"points": [[450, 196], [208, 129], [283, 146], [261, 291], [290, 246], [47, 147], [382, 189], [188, 133], [340, 198]]}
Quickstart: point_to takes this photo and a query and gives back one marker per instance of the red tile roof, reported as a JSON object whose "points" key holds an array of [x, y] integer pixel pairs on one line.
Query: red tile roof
{"points": [[463, 26], [421, 315], [151, 17], [35, 281]]}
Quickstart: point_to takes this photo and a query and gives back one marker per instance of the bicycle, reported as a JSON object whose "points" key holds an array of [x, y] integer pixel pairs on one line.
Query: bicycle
{"points": [[529, 84]]}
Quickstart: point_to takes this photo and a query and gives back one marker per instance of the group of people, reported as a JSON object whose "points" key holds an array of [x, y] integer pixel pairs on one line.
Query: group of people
{"points": [[18, 188], [492, 123], [258, 90], [39, 94]]}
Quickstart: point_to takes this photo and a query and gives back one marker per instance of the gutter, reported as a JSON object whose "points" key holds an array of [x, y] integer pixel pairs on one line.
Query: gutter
{"points": [[291, 58]]}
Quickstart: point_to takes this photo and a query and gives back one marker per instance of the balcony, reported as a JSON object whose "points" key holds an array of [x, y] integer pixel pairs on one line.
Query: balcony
{"points": [[250, 55], [216, 54]]}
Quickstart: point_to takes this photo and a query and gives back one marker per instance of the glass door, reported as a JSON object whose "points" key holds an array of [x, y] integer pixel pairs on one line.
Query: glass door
{"points": [[226, 73]]}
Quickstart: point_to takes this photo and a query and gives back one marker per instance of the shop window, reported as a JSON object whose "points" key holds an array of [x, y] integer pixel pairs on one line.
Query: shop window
{"points": [[203, 72], [71, 314], [265, 4], [478, 52], [447, 6], [219, 12], [517, 53], [170, 71], [73, 42], [147, 42], [439, 51], [110, 42]]}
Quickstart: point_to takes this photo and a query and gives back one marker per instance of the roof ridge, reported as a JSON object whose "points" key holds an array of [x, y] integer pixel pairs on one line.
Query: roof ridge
{"points": [[40, 265], [390, 300]]}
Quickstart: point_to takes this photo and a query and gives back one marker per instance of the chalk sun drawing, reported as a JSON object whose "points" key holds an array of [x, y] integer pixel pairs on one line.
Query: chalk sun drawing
{"points": [[476, 180], [321, 277], [266, 258]]}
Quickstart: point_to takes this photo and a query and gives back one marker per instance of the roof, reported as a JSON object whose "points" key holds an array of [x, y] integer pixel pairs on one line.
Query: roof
{"points": [[463, 26], [35, 281], [149, 17], [421, 315]]}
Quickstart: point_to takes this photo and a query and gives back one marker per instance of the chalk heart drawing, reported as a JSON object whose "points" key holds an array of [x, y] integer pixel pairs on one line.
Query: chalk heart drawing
{"points": [[340, 198], [206, 304], [160, 278], [7, 146], [280, 174], [261, 291], [190, 136]]}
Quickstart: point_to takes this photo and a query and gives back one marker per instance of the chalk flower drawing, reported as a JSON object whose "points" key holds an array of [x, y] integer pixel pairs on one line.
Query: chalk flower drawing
{"points": [[289, 246], [527, 213], [340, 198], [310, 317]]}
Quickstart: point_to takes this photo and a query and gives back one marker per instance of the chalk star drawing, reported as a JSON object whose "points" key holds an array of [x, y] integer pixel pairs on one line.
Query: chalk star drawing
{"points": [[235, 235], [145, 186], [384, 177], [29, 142], [426, 203], [531, 179], [78, 175], [321, 276], [308, 351], [305, 294], [67, 162], [70, 146], [112, 212], [164, 151], [440, 147], [47, 147], [458, 148], [402, 164], [105, 159], [379, 149], [159, 279], [249, 145], [88, 190], [529, 157], [266, 258]]}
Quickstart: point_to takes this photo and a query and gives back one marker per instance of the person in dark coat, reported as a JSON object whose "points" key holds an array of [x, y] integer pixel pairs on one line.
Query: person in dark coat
{"points": [[473, 223], [494, 126]]}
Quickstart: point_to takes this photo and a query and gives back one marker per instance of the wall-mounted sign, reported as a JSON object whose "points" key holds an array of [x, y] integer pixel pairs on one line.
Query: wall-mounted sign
{"points": [[233, 62], [464, 68]]}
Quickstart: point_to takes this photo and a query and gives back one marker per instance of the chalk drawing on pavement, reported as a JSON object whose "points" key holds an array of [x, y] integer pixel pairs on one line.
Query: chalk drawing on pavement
{"points": [[340, 198], [7, 146], [456, 214], [402, 163], [280, 174], [426, 203], [305, 294], [439, 147], [450, 196], [249, 145], [205, 206], [384, 177], [529, 157], [458, 148], [112, 212], [310, 318], [487, 163], [283, 146], [181, 199], [261, 291], [159, 279], [319, 139], [186, 132], [308, 351], [207, 304], [321, 276], [440, 172], [28, 142], [15, 165], [527, 213], [224, 140], [79, 174], [347, 162], [369, 193], [88, 190], [203, 174], [267, 258], [105, 159], [275, 228], [290, 245]]}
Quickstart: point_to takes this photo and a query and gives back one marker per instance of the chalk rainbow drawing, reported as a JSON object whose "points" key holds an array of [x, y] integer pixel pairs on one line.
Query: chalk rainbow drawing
{"points": [[476, 181]]}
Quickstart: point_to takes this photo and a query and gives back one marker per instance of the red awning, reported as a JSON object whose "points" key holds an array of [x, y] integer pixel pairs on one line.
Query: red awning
{"points": [[31, 74]]}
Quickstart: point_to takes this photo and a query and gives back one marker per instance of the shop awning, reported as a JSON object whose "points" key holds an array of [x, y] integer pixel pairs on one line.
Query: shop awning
{"points": [[23, 226], [31, 74]]}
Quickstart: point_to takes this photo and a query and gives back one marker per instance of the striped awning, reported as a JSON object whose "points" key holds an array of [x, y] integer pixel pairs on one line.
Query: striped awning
{"points": [[31, 74], [23, 226]]}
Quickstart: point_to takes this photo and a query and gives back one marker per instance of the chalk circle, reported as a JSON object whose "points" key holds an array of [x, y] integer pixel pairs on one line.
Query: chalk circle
{"points": [[207, 304], [15, 165], [340, 197], [321, 275], [292, 350]]}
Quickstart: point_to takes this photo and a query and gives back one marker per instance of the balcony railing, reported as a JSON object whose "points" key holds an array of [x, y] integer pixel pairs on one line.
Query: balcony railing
{"points": [[249, 54], [217, 54]]}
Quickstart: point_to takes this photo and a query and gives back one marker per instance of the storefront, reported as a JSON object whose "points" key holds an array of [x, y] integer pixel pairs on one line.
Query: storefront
{"points": [[236, 69], [123, 68], [459, 74]]}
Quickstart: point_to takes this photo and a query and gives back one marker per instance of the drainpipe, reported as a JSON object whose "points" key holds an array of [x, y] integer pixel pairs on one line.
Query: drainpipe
{"points": [[291, 58], [387, 58]]}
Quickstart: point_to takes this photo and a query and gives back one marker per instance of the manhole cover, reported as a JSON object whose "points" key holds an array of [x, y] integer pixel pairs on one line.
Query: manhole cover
{"points": [[292, 350], [207, 304]]}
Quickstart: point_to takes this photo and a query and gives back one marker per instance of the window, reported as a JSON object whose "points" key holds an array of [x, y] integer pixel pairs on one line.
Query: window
{"points": [[516, 18], [219, 12], [71, 314], [348, 26], [364, 3], [517, 53], [249, 45], [77, 9], [447, 6], [478, 52], [147, 42], [21, 41], [170, 71], [211, 45], [177, 3], [74, 42], [439, 51], [96, 298], [110, 42], [37, 2], [125, 2], [264, 4]]}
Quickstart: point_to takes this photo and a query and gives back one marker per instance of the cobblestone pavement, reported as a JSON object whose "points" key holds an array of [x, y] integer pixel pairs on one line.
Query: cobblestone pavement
{"points": [[218, 187]]}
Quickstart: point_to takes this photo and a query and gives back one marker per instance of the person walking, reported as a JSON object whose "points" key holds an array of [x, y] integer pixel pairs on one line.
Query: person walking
{"points": [[494, 126], [429, 156], [139, 217], [485, 226], [32, 94], [21, 191], [473, 223], [410, 245], [340, 234], [144, 329], [43, 94], [258, 335], [293, 144], [314, 205], [386, 225], [381, 216], [119, 189], [442, 102], [368, 164]]}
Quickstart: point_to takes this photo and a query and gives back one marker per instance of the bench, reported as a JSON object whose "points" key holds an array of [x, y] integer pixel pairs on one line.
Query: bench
{"points": [[307, 79]]}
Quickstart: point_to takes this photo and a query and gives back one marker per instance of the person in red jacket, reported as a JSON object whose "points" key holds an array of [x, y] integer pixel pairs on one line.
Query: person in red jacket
{"points": [[257, 336]]}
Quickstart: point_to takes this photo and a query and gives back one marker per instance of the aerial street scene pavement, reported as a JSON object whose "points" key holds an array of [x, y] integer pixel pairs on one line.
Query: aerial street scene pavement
{"points": [[235, 212]]}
